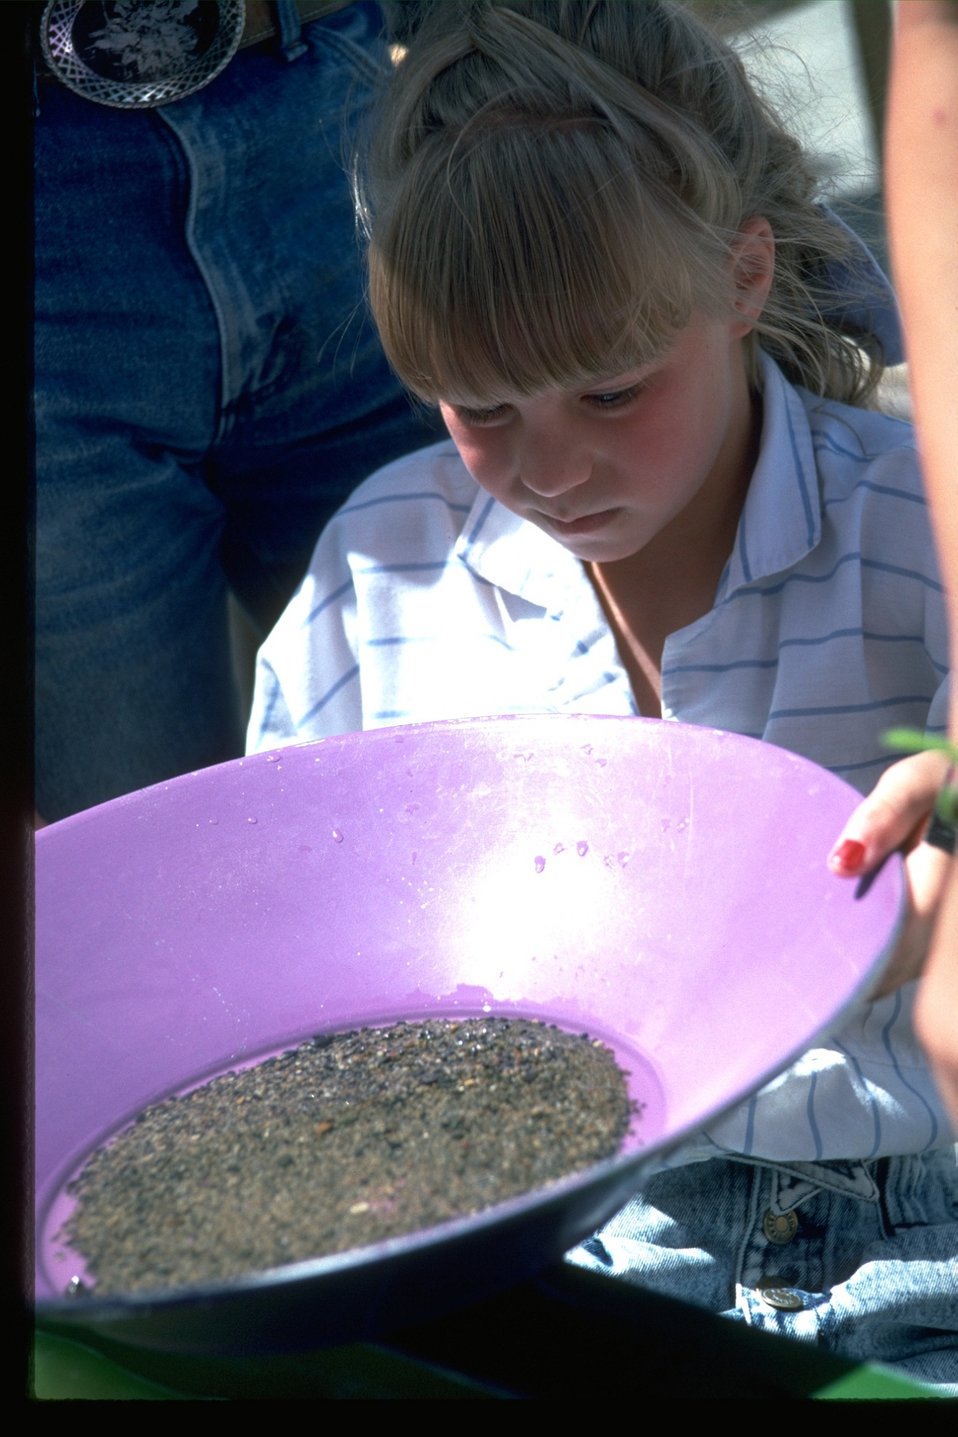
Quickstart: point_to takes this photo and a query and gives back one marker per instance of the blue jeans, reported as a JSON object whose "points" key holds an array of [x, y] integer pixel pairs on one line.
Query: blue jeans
{"points": [[208, 390], [860, 1258]]}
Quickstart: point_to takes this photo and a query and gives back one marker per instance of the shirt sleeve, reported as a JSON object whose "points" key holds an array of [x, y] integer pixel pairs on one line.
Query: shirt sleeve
{"points": [[307, 679], [938, 713]]}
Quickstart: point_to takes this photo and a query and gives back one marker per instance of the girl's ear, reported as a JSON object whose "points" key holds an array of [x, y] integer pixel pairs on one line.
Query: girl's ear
{"points": [[753, 269]]}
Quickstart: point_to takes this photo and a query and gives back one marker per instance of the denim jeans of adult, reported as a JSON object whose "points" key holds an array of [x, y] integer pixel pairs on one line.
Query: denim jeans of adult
{"points": [[208, 390], [859, 1258]]}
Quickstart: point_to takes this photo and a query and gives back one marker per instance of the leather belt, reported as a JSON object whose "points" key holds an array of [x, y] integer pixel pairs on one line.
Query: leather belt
{"points": [[261, 17], [138, 57]]}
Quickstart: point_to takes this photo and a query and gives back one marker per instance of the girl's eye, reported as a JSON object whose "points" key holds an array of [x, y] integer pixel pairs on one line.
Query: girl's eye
{"points": [[493, 415], [614, 398]]}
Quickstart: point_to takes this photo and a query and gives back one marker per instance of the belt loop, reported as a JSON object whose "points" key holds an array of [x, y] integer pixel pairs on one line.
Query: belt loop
{"points": [[290, 30]]}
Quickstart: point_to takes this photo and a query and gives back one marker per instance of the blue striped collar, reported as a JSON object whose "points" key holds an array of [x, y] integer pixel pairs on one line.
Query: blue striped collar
{"points": [[517, 557], [782, 518]]}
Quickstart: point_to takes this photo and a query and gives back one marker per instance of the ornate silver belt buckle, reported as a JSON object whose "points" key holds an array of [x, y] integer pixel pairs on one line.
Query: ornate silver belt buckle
{"points": [[137, 54]]}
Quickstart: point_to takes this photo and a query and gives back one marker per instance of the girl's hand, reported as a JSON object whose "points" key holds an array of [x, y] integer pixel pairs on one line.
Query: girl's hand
{"points": [[895, 815]]}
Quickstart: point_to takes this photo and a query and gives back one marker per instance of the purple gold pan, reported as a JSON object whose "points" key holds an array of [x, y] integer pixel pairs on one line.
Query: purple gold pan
{"points": [[660, 886]]}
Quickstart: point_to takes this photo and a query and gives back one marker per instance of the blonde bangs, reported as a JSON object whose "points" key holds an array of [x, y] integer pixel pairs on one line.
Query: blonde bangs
{"points": [[552, 186], [535, 253]]}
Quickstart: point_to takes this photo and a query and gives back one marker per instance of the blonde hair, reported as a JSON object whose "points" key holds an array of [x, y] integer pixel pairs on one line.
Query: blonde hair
{"points": [[553, 186]]}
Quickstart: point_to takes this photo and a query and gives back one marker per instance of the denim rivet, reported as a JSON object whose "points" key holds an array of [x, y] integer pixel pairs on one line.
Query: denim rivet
{"points": [[779, 1228], [786, 1299]]}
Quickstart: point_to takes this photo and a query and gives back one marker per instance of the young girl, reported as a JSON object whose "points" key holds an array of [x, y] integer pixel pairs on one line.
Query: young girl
{"points": [[592, 245]]}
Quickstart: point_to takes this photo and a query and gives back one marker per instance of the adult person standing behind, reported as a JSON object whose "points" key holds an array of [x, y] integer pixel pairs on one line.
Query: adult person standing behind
{"points": [[922, 201], [208, 388], [922, 187]]}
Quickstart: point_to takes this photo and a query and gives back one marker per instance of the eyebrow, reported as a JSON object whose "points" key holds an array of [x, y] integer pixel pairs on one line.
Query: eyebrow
{"points": [[620, 379], [595, 383]]}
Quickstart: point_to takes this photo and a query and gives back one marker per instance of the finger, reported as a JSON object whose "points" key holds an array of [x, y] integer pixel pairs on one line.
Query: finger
{"points": [[892, 816], [927, 871]]}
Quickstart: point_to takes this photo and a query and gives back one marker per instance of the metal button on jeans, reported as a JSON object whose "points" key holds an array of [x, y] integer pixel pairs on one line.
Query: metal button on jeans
{"points": [[786, 1299], [779, 1228]]}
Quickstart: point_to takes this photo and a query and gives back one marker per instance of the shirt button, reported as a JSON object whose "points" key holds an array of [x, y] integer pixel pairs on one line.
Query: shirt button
{"points": [[779, 1228], [786, 1299]]}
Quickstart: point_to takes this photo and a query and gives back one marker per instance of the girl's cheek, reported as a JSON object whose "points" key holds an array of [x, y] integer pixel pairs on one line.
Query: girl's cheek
{"points": [[484, 459]]}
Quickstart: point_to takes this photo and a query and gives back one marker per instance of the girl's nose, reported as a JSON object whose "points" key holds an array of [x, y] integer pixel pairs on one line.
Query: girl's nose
{"points": [[550, 467]]}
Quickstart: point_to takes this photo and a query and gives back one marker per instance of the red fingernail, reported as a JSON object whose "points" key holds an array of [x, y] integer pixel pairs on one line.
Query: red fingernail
{"points": [[848, 856]]}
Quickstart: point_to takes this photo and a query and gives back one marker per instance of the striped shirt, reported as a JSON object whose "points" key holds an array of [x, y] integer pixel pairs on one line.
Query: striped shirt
{"points": [[427, 599]]}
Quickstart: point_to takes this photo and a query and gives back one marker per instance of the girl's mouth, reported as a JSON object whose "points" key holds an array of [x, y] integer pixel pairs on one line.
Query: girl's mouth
{"points": [[586, 524]]}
